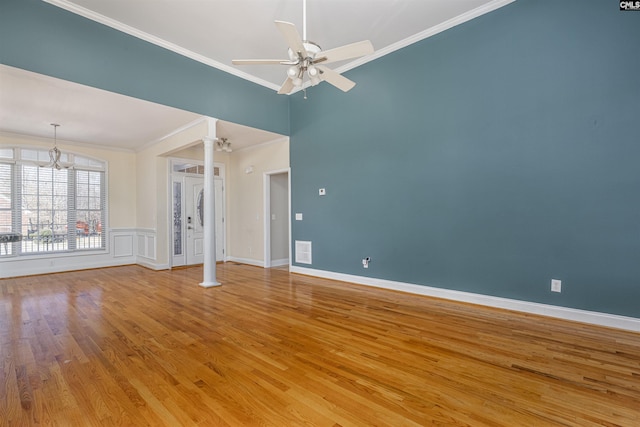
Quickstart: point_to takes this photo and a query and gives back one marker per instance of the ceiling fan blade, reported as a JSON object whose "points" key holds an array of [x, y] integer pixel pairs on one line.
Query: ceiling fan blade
{"points": [[348, 51], [334, 78], [286, 87], [292, 37], [260, 61]]}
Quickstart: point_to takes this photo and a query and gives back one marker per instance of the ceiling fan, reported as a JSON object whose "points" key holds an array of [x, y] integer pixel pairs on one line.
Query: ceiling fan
{"points": [[306, 56]]}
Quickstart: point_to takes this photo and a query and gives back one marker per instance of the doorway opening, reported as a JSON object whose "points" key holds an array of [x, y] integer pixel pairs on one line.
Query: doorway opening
{"points": [[277, 218]]}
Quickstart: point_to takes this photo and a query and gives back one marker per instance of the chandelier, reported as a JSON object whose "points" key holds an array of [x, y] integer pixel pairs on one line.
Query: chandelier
{"points": [[55, 154], [223, 145]]}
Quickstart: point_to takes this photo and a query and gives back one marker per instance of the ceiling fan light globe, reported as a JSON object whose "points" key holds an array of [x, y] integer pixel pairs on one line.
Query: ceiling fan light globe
{"points": [[292, 71], [297, 81], [314, 80], [313, 71]]}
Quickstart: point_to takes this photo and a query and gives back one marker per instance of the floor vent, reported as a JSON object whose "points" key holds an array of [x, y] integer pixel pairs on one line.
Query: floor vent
{"points": [[303, 252]]}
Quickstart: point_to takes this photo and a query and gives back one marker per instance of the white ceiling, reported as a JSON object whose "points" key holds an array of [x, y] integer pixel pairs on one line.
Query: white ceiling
{"points": [[30, 102], [213, 32]]}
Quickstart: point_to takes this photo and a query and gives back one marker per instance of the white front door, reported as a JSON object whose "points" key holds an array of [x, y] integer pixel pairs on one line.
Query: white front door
{"points": [[188, 228], [194, 214]]}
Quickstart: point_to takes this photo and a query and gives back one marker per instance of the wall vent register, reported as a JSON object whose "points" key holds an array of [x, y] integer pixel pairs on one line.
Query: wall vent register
{"points": [[303, 252]]}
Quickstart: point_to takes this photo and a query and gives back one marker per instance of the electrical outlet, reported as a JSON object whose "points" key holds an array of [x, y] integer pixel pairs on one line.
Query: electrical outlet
{"points": [[322, 191], [556, 285]]}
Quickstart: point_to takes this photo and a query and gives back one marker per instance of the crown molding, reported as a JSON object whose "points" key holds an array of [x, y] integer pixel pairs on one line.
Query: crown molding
{"points": [[117, 25], [276, 140], [429, 32], [187, 126], [62, 142]]}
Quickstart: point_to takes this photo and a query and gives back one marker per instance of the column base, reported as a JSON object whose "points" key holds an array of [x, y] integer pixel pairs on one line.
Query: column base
{"points": [[209, 284]]}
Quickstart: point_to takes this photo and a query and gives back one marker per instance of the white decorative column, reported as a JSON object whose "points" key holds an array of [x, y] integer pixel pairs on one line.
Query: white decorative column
{"points": [[209, 225]]}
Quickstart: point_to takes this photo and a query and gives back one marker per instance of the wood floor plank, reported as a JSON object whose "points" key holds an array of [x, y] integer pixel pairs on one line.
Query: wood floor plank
{"points": [[130, 346]]}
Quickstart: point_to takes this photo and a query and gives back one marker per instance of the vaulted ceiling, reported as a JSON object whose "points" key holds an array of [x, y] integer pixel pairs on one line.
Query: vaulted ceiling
{"points": [[213, 32]]}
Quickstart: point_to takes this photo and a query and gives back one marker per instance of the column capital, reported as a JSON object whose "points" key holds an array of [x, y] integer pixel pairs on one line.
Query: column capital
{"points": [[209, 139]]}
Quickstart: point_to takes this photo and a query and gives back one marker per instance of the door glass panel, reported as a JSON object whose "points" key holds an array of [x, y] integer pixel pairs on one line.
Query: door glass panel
{"points": [[177, 218], [200, 207]]}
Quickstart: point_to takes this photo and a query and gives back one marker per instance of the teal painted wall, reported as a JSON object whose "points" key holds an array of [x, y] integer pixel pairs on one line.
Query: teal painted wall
{"points": [[490, 158], [39, 37]]}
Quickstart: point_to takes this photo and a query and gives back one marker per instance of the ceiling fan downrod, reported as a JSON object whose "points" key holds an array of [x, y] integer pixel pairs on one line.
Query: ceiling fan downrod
{"points": [[304, 20]]}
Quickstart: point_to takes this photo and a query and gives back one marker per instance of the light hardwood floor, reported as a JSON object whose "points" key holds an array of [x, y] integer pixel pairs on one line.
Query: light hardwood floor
{"points": [[130, 346]]}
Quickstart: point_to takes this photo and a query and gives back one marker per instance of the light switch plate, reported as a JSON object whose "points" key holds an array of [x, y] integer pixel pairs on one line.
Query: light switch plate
{"points": [[298, 217]]}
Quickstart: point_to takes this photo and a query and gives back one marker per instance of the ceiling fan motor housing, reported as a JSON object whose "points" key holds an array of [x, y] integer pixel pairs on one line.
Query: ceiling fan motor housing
{"points": [[312, 50]]}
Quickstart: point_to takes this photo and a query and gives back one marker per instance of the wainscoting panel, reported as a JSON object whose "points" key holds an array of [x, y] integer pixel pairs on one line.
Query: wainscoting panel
{"points": [[122, 246], [120, 250], [146, 238]]}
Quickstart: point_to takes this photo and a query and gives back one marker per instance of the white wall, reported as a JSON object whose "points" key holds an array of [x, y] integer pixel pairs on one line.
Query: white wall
{"points": [[245, 222], [152, 171]]}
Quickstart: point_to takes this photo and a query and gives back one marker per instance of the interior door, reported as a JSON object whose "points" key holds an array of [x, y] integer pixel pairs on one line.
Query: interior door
{"points": [[194, 215]]}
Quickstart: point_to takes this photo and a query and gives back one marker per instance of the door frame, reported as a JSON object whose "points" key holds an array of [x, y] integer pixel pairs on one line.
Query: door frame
{"points": [[179, 176], [266, 191]]}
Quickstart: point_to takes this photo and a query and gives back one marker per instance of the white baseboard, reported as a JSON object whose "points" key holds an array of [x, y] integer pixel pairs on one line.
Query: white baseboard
{"points": [[151, 264], [256, 262], [45, 266], [279, 262], [592, 317]]}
